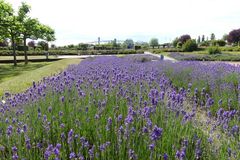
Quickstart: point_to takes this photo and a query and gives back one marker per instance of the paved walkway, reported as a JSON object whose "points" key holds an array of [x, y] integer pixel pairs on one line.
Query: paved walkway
{"points": [[159, 56], [88, 56]]}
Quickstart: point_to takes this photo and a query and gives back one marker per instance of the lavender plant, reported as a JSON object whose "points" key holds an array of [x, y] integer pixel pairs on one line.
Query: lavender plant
{"points": [[121, 108]]}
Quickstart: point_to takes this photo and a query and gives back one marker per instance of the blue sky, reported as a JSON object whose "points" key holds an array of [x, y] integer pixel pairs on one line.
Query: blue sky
{"points": [[78, 21]]}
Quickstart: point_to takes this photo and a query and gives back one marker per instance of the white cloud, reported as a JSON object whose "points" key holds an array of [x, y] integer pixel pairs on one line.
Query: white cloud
{"points": [[85, 20]]}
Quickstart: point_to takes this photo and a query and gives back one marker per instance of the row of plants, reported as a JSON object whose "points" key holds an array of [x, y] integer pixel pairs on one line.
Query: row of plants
{"points": [[120, 108], [203, 57], [72, 52]]}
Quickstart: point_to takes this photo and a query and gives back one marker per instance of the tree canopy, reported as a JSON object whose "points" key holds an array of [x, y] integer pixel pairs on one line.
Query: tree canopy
{"points": [[19, 26], [184, 38], [128, 43], [153, 42], [234, 36]]}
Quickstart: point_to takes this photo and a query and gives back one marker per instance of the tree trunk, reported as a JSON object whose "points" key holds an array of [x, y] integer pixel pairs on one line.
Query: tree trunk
{"points": [[14, 52], [25, 50]]}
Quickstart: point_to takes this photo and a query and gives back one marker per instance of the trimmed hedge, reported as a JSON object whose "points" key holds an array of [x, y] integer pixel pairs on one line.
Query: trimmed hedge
{"points": [[72, 52], [204, 57], [230, 48]]}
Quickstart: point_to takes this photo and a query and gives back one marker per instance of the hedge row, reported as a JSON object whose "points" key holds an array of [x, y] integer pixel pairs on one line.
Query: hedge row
{"points": [[230, 48], [204, 57], [166, 50], [72, 52]]}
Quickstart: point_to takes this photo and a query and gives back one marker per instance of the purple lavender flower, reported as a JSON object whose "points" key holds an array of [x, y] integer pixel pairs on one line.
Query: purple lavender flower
{"points": [[178, 154], [15, 157], [70, 136], [132, 155], [62, 99], [91, 152], [14, 149], [119, 118], [72, 155], [47, 154], [56, 151], [156, 133], [151, 147], [165, 156], [9, 130]]}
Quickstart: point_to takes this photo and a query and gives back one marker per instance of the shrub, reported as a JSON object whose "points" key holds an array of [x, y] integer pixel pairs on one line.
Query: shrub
{"points": [[214, 50], [184, 38], [204, 44], [189, 46], [219, 43]]}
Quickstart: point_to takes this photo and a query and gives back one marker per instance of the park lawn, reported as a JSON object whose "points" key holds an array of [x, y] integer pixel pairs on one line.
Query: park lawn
{"points": [[17, 79], [29, 57]]}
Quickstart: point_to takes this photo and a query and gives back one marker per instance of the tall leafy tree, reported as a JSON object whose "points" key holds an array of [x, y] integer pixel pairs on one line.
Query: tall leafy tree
{"points": [[225, 37], [45, 32], [199, 40], [212, 37], [175, 42], [28, 26], [128, 43], [9, 25], [203, 38], [153, 42], [234, 36], [184, 38], [29, 30]]}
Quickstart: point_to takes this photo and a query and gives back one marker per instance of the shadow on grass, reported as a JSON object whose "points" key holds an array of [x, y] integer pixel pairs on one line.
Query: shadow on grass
{"points": [[8, 70]]}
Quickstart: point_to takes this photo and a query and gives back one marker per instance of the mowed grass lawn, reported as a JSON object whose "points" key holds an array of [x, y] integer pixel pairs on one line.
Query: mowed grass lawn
{"points": [[17, 79]]}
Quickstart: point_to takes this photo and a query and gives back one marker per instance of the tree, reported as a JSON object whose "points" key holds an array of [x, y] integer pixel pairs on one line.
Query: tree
{"points": [[128, 43], [219, 43], [28, 26], [82, 46], [175, 42], [189, 46], [114, 43], [199, 40], [43, 45], [47, 34], [143, 45], [203, 38], [3, 42], [184, 38], [225, 37], [32, 44], [153, 42], [9, 26], [212, 37], [234, 36]]}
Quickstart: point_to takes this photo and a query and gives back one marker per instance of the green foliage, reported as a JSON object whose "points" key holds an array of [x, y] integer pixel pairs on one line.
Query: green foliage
{"points": [[128, 43], [82, 46], [153, 42], [212, 37], [204, 44], [218, 43], [189, 46], [44, 45], [179, 45], [175, 42], [214, 50], [18, 26], [144, 45]]}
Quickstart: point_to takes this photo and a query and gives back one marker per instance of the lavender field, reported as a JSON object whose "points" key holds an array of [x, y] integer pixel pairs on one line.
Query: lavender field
{"points": [[133, 107]]}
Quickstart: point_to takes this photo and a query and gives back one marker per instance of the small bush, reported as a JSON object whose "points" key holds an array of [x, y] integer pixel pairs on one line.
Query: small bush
{"points": [[219, 43], [214, 50], [190, 46]]}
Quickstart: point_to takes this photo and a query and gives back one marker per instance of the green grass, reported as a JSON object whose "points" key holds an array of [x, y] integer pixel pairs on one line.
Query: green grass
{"points": [[17, 79]]}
